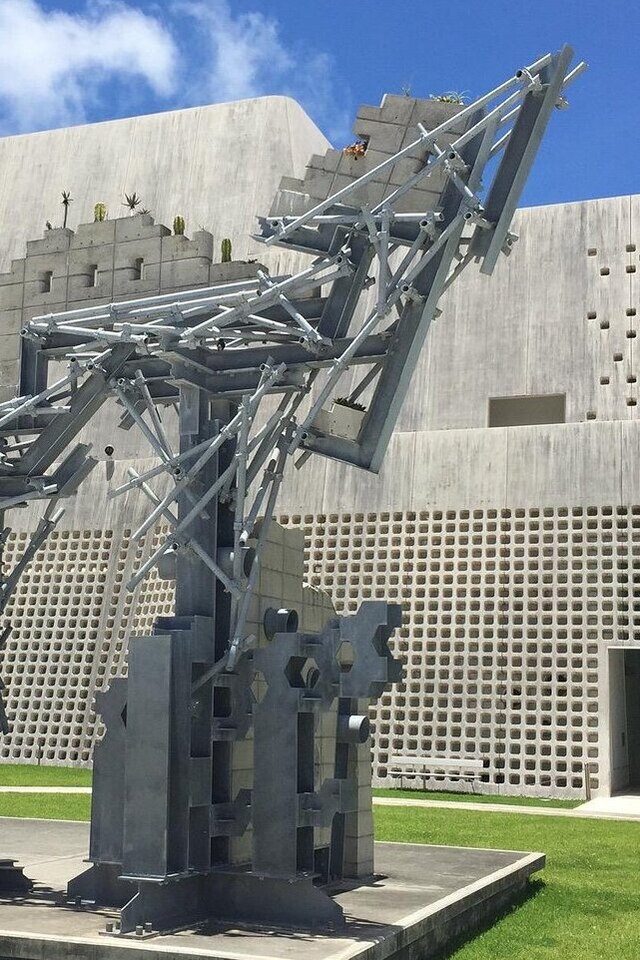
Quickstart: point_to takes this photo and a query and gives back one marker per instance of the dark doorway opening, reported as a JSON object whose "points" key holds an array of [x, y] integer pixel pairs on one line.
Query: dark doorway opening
{"points": [[632, 710]]}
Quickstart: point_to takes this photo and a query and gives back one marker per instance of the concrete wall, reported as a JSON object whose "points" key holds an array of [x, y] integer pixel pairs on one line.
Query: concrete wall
{"points": [[218, 166], [550, 320], [548, 465], [514, 550]]}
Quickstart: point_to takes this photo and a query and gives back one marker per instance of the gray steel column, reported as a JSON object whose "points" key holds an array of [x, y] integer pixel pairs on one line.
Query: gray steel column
{"points": [[148, 758], [199, 593], [195, 583]]}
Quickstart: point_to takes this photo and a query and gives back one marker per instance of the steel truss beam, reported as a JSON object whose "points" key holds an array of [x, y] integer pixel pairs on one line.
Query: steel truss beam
{"points": [[217, 354], [246, 339]]}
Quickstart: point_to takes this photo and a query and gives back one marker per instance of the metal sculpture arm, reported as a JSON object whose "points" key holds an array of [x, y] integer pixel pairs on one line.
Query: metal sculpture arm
{"points": [[245, 340]]}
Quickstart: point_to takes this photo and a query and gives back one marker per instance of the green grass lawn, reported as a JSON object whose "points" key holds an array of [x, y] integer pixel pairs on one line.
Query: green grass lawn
{"points": [[584, 905], [28, 775], [46, 806], [475, 798], [587, 905]]}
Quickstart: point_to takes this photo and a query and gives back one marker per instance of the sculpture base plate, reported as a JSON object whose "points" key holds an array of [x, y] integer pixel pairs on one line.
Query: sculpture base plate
{"points": [[421, 899]]}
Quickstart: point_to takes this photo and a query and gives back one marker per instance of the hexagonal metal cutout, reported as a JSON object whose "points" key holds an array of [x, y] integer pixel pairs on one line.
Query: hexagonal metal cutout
{"points": [[258, 686], [345, 655], [302, 673]]}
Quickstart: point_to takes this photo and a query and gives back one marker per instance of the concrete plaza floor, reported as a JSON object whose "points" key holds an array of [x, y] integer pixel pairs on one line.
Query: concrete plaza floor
{"points": [[421, 897], [625, 804]]}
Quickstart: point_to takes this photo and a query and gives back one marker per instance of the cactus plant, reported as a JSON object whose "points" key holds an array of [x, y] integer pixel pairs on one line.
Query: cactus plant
{"points": [[225, 250], [99, 212], [178, 226], [66, 200], [451, 96], [131, 200]]}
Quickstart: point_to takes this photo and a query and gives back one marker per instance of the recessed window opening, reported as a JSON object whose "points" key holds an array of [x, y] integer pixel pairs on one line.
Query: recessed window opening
{"points": [[47, 281], [138, 268], [93, 274], [527, 410]]}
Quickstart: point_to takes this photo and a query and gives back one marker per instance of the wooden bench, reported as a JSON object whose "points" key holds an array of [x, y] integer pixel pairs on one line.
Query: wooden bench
{"points": [[453, 768]]}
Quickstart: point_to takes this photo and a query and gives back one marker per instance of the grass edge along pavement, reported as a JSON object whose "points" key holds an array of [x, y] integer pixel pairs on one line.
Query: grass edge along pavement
{"points": [[46, 806], [31, 775], [465, 797], [584, 904]]}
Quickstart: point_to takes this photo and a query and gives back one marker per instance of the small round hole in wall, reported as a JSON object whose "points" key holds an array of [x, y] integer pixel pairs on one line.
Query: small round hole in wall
{"points": [[108, 450], [604, 324], [604, 271], [632, 402], [604, 381]]}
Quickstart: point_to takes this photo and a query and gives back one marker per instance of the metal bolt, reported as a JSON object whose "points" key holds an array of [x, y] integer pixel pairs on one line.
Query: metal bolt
{"points": [[109, 926], [139, 930], [148, 927]]}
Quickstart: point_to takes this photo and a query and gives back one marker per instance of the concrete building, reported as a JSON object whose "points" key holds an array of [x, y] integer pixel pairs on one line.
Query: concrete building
{"points": [[506, 518]]}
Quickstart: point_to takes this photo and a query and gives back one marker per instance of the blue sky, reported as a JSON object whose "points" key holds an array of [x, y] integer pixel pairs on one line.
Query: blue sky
{"points": [[70, 61]]}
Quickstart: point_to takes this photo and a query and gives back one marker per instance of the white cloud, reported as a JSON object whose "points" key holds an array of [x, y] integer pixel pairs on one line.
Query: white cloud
{"points": [[51, 63], [327, 100], [247, 54], [244, 55], [55, 67]]}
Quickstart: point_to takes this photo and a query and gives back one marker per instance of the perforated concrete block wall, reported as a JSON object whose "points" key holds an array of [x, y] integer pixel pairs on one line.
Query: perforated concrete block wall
{"points": [[506, 617], [71, 618]]}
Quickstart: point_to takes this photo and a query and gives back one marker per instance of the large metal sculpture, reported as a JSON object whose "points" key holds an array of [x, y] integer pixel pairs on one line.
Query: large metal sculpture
{"points": [[164, 813]]}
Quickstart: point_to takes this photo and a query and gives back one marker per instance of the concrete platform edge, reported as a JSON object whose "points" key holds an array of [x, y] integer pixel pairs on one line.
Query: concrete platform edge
{"points": [[421, 935], [454, 915]]}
